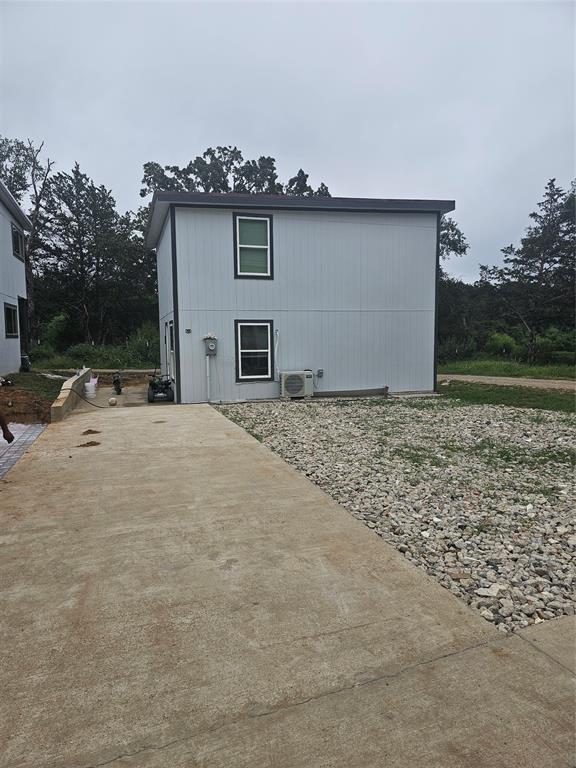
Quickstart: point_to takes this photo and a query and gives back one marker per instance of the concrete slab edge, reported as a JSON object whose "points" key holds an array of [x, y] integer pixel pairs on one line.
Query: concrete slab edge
{"points": [[69, 398]]}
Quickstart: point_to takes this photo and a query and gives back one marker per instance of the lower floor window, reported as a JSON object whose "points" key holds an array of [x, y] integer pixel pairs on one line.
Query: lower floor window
{"points": [[254, 357], [11, 321]]}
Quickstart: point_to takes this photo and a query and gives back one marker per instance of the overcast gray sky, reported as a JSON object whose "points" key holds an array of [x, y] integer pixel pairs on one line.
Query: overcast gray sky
{"points": [[471, 101]]}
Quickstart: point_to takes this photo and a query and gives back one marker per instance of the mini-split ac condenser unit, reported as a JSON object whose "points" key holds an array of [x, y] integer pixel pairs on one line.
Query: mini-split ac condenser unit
{"points": [[296, 384]]}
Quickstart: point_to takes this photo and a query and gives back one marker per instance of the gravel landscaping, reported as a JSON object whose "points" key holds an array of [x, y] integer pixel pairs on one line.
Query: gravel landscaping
{"points": [[481, 497]]}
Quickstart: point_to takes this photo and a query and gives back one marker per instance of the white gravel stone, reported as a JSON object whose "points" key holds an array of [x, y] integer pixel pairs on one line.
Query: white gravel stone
{"points": [[480, 497]]}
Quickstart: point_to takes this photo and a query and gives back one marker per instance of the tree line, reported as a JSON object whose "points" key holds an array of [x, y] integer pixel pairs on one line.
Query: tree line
{"points": [[525, 308], [90, 278], [92, 281]]}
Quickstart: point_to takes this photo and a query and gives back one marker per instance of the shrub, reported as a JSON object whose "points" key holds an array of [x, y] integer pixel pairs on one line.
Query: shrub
{"points": [[563, 357], [502, 345], [41, 352], [560, 340], [456, 349], [55, 333], [105, 356], [140, 350], [543, 349], [144, 344]]}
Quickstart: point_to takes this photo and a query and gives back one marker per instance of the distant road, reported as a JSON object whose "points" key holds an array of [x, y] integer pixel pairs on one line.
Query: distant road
{"points": [[512, 381]]}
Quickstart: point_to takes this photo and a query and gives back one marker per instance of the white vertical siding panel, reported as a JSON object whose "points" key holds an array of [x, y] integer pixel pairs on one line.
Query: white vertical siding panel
{"points": [[12, 285], [352, 294]]}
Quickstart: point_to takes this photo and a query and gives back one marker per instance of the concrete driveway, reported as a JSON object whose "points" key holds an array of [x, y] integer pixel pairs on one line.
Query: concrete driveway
{"points": [[173, 594]]}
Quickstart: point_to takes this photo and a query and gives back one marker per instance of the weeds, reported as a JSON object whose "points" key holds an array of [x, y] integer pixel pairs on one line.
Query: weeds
{"points": [[489, 367], [517, 397], [495, 453]]}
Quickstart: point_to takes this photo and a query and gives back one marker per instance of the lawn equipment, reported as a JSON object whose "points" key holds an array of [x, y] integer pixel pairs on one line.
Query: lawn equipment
{"points": [[117, 382], [160, 388]]}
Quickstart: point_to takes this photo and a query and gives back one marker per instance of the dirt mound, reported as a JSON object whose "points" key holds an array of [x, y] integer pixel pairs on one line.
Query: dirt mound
{"points": [[24, 407]]}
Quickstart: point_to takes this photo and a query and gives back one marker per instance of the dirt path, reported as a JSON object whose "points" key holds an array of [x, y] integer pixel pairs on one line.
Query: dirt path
{"points": [[512, 381]]}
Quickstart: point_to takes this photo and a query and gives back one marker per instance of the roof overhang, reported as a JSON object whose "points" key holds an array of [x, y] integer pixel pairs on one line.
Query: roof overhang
{"points": [[9, 202], [162, 201]]}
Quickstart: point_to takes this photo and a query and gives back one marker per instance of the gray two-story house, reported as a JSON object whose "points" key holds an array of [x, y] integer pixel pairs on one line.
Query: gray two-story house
{"points": [[13, 301], [254, 286]]}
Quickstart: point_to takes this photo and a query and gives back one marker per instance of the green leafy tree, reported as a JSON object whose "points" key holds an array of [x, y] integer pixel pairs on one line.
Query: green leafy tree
{"points": [[15, 166], [455, 308], [535, 287], [224, 170], [298, 185], [27, 179], [322, 191], [452, 240], [94, 265], [258, 177]]}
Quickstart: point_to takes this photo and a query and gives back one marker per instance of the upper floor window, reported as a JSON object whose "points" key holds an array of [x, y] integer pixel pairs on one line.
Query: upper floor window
{"points": [[11, 321], [17, 243], [253, 247]]}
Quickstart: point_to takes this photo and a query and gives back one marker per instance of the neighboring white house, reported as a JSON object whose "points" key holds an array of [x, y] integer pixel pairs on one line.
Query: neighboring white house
{"points": [[13, 311], [343, 288]]}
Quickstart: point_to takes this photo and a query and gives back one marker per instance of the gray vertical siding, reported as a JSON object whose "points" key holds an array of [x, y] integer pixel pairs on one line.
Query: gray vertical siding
{"points": [[352, 294], [165, 295], [12, 285]]}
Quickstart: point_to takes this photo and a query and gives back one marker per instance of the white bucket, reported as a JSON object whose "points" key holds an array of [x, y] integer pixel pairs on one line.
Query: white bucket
{"points": [[90, 390]]}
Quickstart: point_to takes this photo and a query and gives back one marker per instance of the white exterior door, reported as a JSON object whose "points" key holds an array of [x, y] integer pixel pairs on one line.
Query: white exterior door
{"points": [[170, 361]]}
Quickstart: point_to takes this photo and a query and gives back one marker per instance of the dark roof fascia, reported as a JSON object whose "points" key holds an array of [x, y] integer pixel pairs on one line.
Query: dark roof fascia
{"points": [[293, 203], [232, 201]]}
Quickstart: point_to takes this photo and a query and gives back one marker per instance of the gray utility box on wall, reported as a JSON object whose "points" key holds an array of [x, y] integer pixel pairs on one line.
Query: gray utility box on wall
{"points": [[211, 346]]}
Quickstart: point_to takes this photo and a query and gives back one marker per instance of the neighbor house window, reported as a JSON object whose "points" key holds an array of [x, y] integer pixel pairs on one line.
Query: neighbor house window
{"points": [[253, 247], [254, 356], [11, 321], [17, 243]]}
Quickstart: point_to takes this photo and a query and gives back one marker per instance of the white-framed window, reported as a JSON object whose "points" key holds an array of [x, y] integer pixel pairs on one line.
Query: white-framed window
{"points": [[253, 247], [254, 352], [11, 321], [17, 243]]}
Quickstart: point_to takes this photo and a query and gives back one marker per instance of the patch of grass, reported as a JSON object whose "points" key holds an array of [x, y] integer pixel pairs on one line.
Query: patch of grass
{"points": [[537, 418], [469, 393], [553, 456], [483, 526], [425, 403], [450, 446], [417, 456], [542, 489], [409, 454], [489, 367], [111, 362], [495, 453], [365, 402], [240, 422], [41, 386]]}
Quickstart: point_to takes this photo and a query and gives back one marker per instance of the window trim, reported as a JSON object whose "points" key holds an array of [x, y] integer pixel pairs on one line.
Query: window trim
{"points": [[15, 309], [16, 230], [247, 379], [238, 275]]}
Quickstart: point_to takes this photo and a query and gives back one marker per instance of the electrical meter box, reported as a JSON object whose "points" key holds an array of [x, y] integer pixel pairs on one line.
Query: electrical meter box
{"points": [[211, 346]]}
